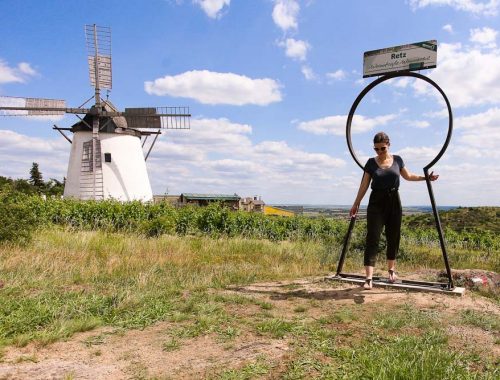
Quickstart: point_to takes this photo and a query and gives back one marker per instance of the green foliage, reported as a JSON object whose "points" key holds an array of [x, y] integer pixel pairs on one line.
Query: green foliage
{"points": [[215, 220], [35, 185], [18, 221], [36, 178], [474, 219]]}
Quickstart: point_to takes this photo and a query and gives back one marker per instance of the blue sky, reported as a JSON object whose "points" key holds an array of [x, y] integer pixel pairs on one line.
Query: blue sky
{"points": [[269, 84]]}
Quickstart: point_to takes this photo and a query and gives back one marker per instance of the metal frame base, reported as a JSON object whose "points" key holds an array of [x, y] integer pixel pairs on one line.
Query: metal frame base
{"points": [[418, 286]]}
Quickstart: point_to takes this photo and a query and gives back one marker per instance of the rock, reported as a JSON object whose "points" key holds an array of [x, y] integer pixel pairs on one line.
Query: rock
{"points": [[472, 278]]}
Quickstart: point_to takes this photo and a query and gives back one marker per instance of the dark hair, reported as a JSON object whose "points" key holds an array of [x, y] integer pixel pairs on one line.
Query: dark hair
{"points": [[381, 137]]}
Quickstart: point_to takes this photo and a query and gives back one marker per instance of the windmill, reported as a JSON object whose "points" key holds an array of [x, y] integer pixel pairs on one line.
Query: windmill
{"points": [[109, 147]]}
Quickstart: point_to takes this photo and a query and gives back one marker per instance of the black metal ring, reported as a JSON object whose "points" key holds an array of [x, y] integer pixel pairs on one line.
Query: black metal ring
{"points": [[383, 79]]}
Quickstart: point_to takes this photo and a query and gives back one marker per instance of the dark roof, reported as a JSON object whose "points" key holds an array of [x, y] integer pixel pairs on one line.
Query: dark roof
{"points": [[110, 125], [210, 197]]}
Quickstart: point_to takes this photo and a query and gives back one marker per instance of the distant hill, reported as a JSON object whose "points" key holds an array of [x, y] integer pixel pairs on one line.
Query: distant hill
{"points": [[461, 218]]}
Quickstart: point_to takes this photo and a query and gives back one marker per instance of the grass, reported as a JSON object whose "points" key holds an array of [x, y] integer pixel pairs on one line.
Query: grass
{"points": [[65, 282], [250, 371], [485, 321]]}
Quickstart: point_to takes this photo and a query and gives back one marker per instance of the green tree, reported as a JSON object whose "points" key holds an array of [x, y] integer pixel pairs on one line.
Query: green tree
{"points": [[54, 187], [5, 182], [36, 178], [24, 186]]}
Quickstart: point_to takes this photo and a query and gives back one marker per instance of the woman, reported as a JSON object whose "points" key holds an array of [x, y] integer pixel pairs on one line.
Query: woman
{"points": [[384, 207]]}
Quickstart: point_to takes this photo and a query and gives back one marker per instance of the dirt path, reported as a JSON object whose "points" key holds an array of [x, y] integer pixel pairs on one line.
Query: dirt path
{"points": [[108, 353]]}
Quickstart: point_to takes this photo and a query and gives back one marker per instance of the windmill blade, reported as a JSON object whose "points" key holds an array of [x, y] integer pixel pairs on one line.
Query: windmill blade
{"points": [[174, 117], [158, 118], [14, 106], [98, 40], [142, 118]]}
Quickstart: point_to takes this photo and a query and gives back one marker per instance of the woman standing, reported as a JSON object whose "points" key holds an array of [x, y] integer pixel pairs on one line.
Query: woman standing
{"points": [[384, 206]]}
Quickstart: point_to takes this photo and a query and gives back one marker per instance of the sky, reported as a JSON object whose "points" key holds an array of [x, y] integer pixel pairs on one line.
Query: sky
{"points": [[269, 84]]}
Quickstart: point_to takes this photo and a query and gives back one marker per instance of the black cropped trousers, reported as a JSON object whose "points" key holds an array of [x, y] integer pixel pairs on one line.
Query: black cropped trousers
{"points": [[384, 210]]}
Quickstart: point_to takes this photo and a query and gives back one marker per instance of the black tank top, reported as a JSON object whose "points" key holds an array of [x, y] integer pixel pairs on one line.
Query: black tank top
{"points": [[385, 179]]}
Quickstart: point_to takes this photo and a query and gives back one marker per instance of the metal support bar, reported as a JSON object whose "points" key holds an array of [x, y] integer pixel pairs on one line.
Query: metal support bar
{"points": [[151, 147], [60, 130], [347, 239], [145, 139], [439, 228]]}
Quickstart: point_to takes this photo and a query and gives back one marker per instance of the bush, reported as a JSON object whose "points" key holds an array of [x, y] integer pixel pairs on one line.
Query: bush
{"points": [[18, 220], [25, 212]]}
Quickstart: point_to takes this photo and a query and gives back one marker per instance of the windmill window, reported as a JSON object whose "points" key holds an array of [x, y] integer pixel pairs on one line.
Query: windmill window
{"points": [[107, 157]]}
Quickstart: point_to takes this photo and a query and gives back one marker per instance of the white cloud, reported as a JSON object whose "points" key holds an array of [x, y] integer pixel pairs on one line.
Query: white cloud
{"points": [[486, 141], [484, 36], [18, 152], [335, 125], [217, 155], [308, 73], [19, 74], [485, 8], [489, 118], [469, 76], [216, 88], [418, 123], [214, 135], [448, 28], [285, 13], [212, 8], [400, 82], [295, 49], [337, 75], [360, 81], [419, 155], [443, 113], [479, 134]]}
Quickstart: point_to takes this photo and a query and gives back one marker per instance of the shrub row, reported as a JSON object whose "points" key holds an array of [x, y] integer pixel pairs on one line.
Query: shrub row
{"points": [[21, 214]]}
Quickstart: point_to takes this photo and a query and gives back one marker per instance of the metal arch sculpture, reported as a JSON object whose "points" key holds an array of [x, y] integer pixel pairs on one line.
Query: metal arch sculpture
{"points": [[429, 285], [383, 79]]}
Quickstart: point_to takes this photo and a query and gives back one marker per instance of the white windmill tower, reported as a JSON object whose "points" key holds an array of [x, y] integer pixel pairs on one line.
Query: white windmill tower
{"points": [[107, 159]]}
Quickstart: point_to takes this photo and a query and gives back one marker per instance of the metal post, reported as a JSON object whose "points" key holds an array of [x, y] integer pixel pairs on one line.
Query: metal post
{"points": [[151, 147], [347, 239], [439, 228], [62, 133]]}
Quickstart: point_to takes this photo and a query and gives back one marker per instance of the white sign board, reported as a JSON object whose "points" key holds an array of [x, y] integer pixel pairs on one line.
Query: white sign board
{"points": [[411, 57]]}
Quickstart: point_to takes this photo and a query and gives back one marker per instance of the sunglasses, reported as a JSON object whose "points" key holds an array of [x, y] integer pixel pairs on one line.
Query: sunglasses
{"points": [[382, 149]]}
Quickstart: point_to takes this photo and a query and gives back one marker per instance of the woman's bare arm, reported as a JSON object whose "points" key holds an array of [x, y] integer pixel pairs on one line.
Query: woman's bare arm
{"points": [[363, 187], [414, 177]]}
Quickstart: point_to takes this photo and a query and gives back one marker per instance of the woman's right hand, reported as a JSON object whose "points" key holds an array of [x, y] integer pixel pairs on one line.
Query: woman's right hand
{"points": [[354, 210]]}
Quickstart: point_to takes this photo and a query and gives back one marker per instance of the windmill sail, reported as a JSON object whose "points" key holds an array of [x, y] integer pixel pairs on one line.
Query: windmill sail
{"points": [[99, 55], [12, 106], [158, 118]]}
